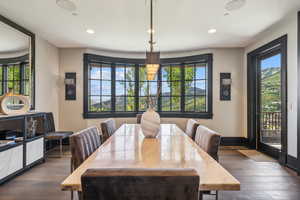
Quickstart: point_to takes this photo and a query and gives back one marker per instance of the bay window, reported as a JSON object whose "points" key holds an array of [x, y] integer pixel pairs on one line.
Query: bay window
{"points": [[117, 87]]}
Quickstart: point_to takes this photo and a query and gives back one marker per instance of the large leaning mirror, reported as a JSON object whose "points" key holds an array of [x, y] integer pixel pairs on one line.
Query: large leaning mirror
{"points": [[17, 53]]}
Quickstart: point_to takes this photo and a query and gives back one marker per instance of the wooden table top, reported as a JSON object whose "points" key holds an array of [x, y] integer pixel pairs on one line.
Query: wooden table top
{"points": [[172, 148]]}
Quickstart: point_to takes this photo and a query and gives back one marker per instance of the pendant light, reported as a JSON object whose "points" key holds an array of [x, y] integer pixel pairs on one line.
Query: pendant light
{"points": [[152, 58]]}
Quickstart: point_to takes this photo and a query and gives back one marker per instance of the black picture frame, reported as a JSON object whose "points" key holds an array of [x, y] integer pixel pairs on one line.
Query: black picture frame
{"points": [[70, 90], [32, 52], [225, 90]]}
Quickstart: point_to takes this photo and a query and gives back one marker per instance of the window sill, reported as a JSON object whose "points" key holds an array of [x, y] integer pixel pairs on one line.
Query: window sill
{"points": [[94, 115]]}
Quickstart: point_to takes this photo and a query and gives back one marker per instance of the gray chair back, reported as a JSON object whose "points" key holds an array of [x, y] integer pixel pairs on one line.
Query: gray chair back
{"points": [[139, 118], [140, 184], [191, 128], [108, 127], [50, 125], [208, 140], [83, 144]]}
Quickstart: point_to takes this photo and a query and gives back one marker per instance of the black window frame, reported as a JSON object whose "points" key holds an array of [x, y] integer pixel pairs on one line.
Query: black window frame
{"points": [[204, 58], [22, 62]]}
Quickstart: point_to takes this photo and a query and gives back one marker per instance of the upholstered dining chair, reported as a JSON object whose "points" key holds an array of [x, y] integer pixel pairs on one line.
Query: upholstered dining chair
{"points": [[52, 134], [108, 127], [139, 118], [209, 141], [140, 184], [83, 144], [191, 128]]}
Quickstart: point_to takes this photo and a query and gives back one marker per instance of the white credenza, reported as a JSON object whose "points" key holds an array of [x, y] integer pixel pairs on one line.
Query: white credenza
{"points": [[27, 151]]}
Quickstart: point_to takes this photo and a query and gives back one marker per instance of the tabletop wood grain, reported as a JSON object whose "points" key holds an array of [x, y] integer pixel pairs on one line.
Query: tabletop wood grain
{"points": [[172, 148]]}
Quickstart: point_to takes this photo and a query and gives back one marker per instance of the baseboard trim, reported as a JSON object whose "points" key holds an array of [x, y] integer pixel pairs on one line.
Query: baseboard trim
{"points": [[234, 141], [292, 163]]}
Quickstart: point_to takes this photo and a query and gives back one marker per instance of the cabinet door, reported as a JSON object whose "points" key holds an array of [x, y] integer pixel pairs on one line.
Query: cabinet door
{"points": [[11, 161], [34, 150]]}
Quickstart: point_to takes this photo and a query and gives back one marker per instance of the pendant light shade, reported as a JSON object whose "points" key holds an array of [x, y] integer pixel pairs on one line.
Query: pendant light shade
{"points": [[152, 64], [152, 58]]}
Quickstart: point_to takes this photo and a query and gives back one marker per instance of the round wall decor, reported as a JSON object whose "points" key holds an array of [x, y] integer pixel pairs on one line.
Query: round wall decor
{"points": [[11, 104]]}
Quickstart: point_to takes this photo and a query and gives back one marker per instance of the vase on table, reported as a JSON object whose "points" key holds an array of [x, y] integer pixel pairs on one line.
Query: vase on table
{"points": [[150, 123]]}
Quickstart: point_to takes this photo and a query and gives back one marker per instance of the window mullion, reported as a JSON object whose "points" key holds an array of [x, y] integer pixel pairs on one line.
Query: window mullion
{"points": [[5, 79], [136, 89], [171, 86], [22, 78], [125, 85], [113, 87], [194, 80], [182, 81], [160, 89]]}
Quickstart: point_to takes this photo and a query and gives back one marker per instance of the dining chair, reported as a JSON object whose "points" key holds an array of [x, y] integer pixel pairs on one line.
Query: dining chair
{"points": [[139, 118], [83, 144], [209, 141], [191, 128], [140, 184], [108, 127], [51, 134]]}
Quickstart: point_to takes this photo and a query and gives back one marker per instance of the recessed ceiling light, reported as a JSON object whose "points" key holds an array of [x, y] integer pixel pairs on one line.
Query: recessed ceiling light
{"points": [[66, 5], [234, 5], [90, 31], [212, 30]]}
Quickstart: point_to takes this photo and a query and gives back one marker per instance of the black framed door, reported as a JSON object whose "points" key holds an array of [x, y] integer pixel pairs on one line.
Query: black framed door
{"points": [[267, 99]]}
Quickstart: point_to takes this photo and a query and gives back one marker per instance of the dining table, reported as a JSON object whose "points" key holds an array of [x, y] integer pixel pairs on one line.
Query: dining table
{"points": [[171, 149]]}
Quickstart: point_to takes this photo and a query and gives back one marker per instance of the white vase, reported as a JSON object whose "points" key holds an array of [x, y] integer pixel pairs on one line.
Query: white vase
{"points": [[150, 123]]}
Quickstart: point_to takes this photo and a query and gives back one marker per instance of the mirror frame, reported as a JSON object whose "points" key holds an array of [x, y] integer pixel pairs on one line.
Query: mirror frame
{"points": [[32, 53]]}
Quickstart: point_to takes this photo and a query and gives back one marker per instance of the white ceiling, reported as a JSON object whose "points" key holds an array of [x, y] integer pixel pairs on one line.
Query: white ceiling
{"points": [[121, 25], [12, 40]]}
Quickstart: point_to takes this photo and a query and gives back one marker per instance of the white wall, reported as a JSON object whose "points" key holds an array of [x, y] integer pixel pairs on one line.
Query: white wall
{"points": [[47, 74], [14, 54], [287, 26], [227, 114]]}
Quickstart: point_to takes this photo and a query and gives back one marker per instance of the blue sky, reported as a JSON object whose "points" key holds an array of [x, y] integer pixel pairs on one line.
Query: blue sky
{"points": [[274, 61]]}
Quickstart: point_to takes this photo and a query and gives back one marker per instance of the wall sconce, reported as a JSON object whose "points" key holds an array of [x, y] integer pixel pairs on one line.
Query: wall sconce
{"points": [[70, 86], [225, 86]]}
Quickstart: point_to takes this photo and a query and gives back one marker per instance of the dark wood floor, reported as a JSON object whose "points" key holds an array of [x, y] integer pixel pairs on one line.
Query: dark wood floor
{"points": [[259, 180]]}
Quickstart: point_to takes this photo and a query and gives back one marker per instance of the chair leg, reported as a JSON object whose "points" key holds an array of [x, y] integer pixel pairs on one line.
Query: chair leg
{"points": [[200, 195], [60, 145], [80, 197], [217, 194]]}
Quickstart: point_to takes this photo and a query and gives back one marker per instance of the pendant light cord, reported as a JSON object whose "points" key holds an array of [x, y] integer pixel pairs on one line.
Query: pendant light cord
{"points": [[151, 26]]}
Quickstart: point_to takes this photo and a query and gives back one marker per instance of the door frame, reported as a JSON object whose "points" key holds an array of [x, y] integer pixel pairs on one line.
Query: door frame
{"points": [[279, 45], [298, 95]]}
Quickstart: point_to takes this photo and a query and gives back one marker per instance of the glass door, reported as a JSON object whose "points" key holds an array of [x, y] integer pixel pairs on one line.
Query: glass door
{"points": [[270, 103]]}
